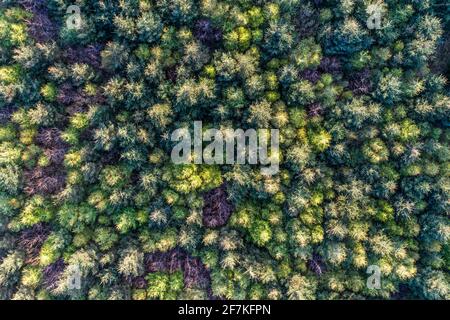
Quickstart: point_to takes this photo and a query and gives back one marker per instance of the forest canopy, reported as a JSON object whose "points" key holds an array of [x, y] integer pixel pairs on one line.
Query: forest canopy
{"points": [[92, 207]]}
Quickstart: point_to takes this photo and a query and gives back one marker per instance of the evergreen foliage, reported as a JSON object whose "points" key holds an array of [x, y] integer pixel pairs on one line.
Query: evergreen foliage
{"points": [[86, 180]]}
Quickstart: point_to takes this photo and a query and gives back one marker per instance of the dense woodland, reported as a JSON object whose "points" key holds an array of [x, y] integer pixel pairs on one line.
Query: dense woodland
{"points": [[86, 179]]}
